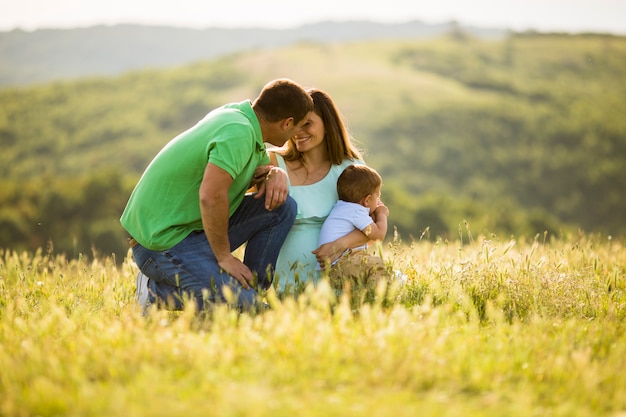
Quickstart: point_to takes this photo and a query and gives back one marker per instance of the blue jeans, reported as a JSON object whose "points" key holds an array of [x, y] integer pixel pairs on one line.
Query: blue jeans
{"points": [[190, 269]]}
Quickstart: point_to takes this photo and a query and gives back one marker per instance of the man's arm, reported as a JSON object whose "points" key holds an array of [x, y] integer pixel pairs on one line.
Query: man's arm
{"points": [[214, 208]]}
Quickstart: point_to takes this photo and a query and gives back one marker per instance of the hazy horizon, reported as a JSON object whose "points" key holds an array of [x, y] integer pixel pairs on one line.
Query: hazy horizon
{"points": [[605, 16]]}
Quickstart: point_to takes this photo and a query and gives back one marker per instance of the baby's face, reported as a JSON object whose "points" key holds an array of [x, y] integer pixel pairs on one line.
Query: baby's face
{"points": [[374, 200]]}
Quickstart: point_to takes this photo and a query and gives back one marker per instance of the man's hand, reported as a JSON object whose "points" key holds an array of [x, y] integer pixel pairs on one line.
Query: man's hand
{"points": [[273, 185], [259, 175], [238, 270]]}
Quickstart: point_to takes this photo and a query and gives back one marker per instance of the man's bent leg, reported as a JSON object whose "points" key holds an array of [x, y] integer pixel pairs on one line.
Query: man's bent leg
{"points": [[159, 290], [263, 232], [190, 269]]}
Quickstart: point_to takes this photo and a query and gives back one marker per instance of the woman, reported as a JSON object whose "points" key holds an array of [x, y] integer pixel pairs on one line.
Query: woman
{"points": [[314, 159]]}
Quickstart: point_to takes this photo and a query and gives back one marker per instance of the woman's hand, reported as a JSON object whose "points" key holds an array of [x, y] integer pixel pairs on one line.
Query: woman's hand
{"points": [[328, 253]]}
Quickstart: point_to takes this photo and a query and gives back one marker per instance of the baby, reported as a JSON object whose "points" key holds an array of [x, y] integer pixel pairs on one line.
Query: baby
{"points": [[359, 207]]}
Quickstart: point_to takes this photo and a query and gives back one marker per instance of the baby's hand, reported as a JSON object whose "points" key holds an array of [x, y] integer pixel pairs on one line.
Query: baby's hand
{"points": [[381, 210]]}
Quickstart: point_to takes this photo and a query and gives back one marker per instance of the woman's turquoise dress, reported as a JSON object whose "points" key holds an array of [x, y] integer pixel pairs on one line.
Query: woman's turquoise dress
{"points": [[296, 265]]}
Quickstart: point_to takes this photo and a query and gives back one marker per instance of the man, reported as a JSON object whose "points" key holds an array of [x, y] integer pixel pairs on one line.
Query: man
{"points": [[189, 211]]}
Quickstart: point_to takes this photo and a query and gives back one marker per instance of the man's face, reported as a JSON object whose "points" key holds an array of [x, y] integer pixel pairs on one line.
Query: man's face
{"points": [[294, 129]]}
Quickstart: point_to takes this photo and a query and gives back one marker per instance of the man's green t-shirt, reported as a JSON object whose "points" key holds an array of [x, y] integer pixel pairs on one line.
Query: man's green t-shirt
{"points": [[164, 207]]}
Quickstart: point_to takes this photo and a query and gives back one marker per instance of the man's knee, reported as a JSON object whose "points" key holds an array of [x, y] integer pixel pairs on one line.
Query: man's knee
{"points": [[291, 208]]}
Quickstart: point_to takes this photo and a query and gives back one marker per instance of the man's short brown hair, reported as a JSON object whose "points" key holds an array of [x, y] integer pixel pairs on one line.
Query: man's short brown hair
{"points": [[281, 99]]}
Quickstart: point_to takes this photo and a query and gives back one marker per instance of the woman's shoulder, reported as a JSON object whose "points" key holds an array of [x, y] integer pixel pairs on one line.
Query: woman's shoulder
{"points": [[336, 170], [347, 162], [276, 158]]}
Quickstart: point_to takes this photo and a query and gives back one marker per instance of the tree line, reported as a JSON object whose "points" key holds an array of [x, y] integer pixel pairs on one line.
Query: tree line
{"points": [[521, 136]]}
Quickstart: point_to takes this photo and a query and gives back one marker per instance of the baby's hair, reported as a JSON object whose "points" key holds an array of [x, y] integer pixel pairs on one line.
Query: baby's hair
{"points": [[357, 182]]}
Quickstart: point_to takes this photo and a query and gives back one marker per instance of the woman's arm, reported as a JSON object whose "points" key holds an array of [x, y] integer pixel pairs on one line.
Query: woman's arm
{"points": [[332, 250]]}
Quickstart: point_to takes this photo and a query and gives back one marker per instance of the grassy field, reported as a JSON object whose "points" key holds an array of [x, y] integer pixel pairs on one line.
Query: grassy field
{"points": [[483, 327]]}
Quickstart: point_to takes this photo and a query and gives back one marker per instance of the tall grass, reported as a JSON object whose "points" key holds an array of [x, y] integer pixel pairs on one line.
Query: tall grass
{"points": [[489, 327]]}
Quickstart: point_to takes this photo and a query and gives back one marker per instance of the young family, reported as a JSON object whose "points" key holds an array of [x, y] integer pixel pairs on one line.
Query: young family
{"points": [[192, 207]]}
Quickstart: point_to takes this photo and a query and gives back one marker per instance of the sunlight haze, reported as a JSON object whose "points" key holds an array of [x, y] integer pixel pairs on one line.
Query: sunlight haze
{"points": [[605, 16]]}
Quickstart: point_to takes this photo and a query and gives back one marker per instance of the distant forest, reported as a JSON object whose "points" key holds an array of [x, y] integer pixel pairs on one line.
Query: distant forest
{"points": [[520, 136]]}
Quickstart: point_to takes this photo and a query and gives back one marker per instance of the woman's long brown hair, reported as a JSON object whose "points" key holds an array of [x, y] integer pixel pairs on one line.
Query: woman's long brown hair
{"points": [[338, 141]]}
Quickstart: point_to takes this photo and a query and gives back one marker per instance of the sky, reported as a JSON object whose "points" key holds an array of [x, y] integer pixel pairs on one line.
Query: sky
{"points": [[606, 16]]}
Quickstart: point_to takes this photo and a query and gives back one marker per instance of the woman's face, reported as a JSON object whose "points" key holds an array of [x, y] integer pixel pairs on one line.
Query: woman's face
{"points": [[311, 134]]}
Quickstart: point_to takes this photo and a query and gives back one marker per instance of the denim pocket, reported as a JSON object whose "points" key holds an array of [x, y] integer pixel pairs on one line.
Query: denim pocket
{"points": [[156, 273]]}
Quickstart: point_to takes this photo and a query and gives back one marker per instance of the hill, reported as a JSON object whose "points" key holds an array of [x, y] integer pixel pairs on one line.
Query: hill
{"points": [[61, 54], [516, 136]]}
